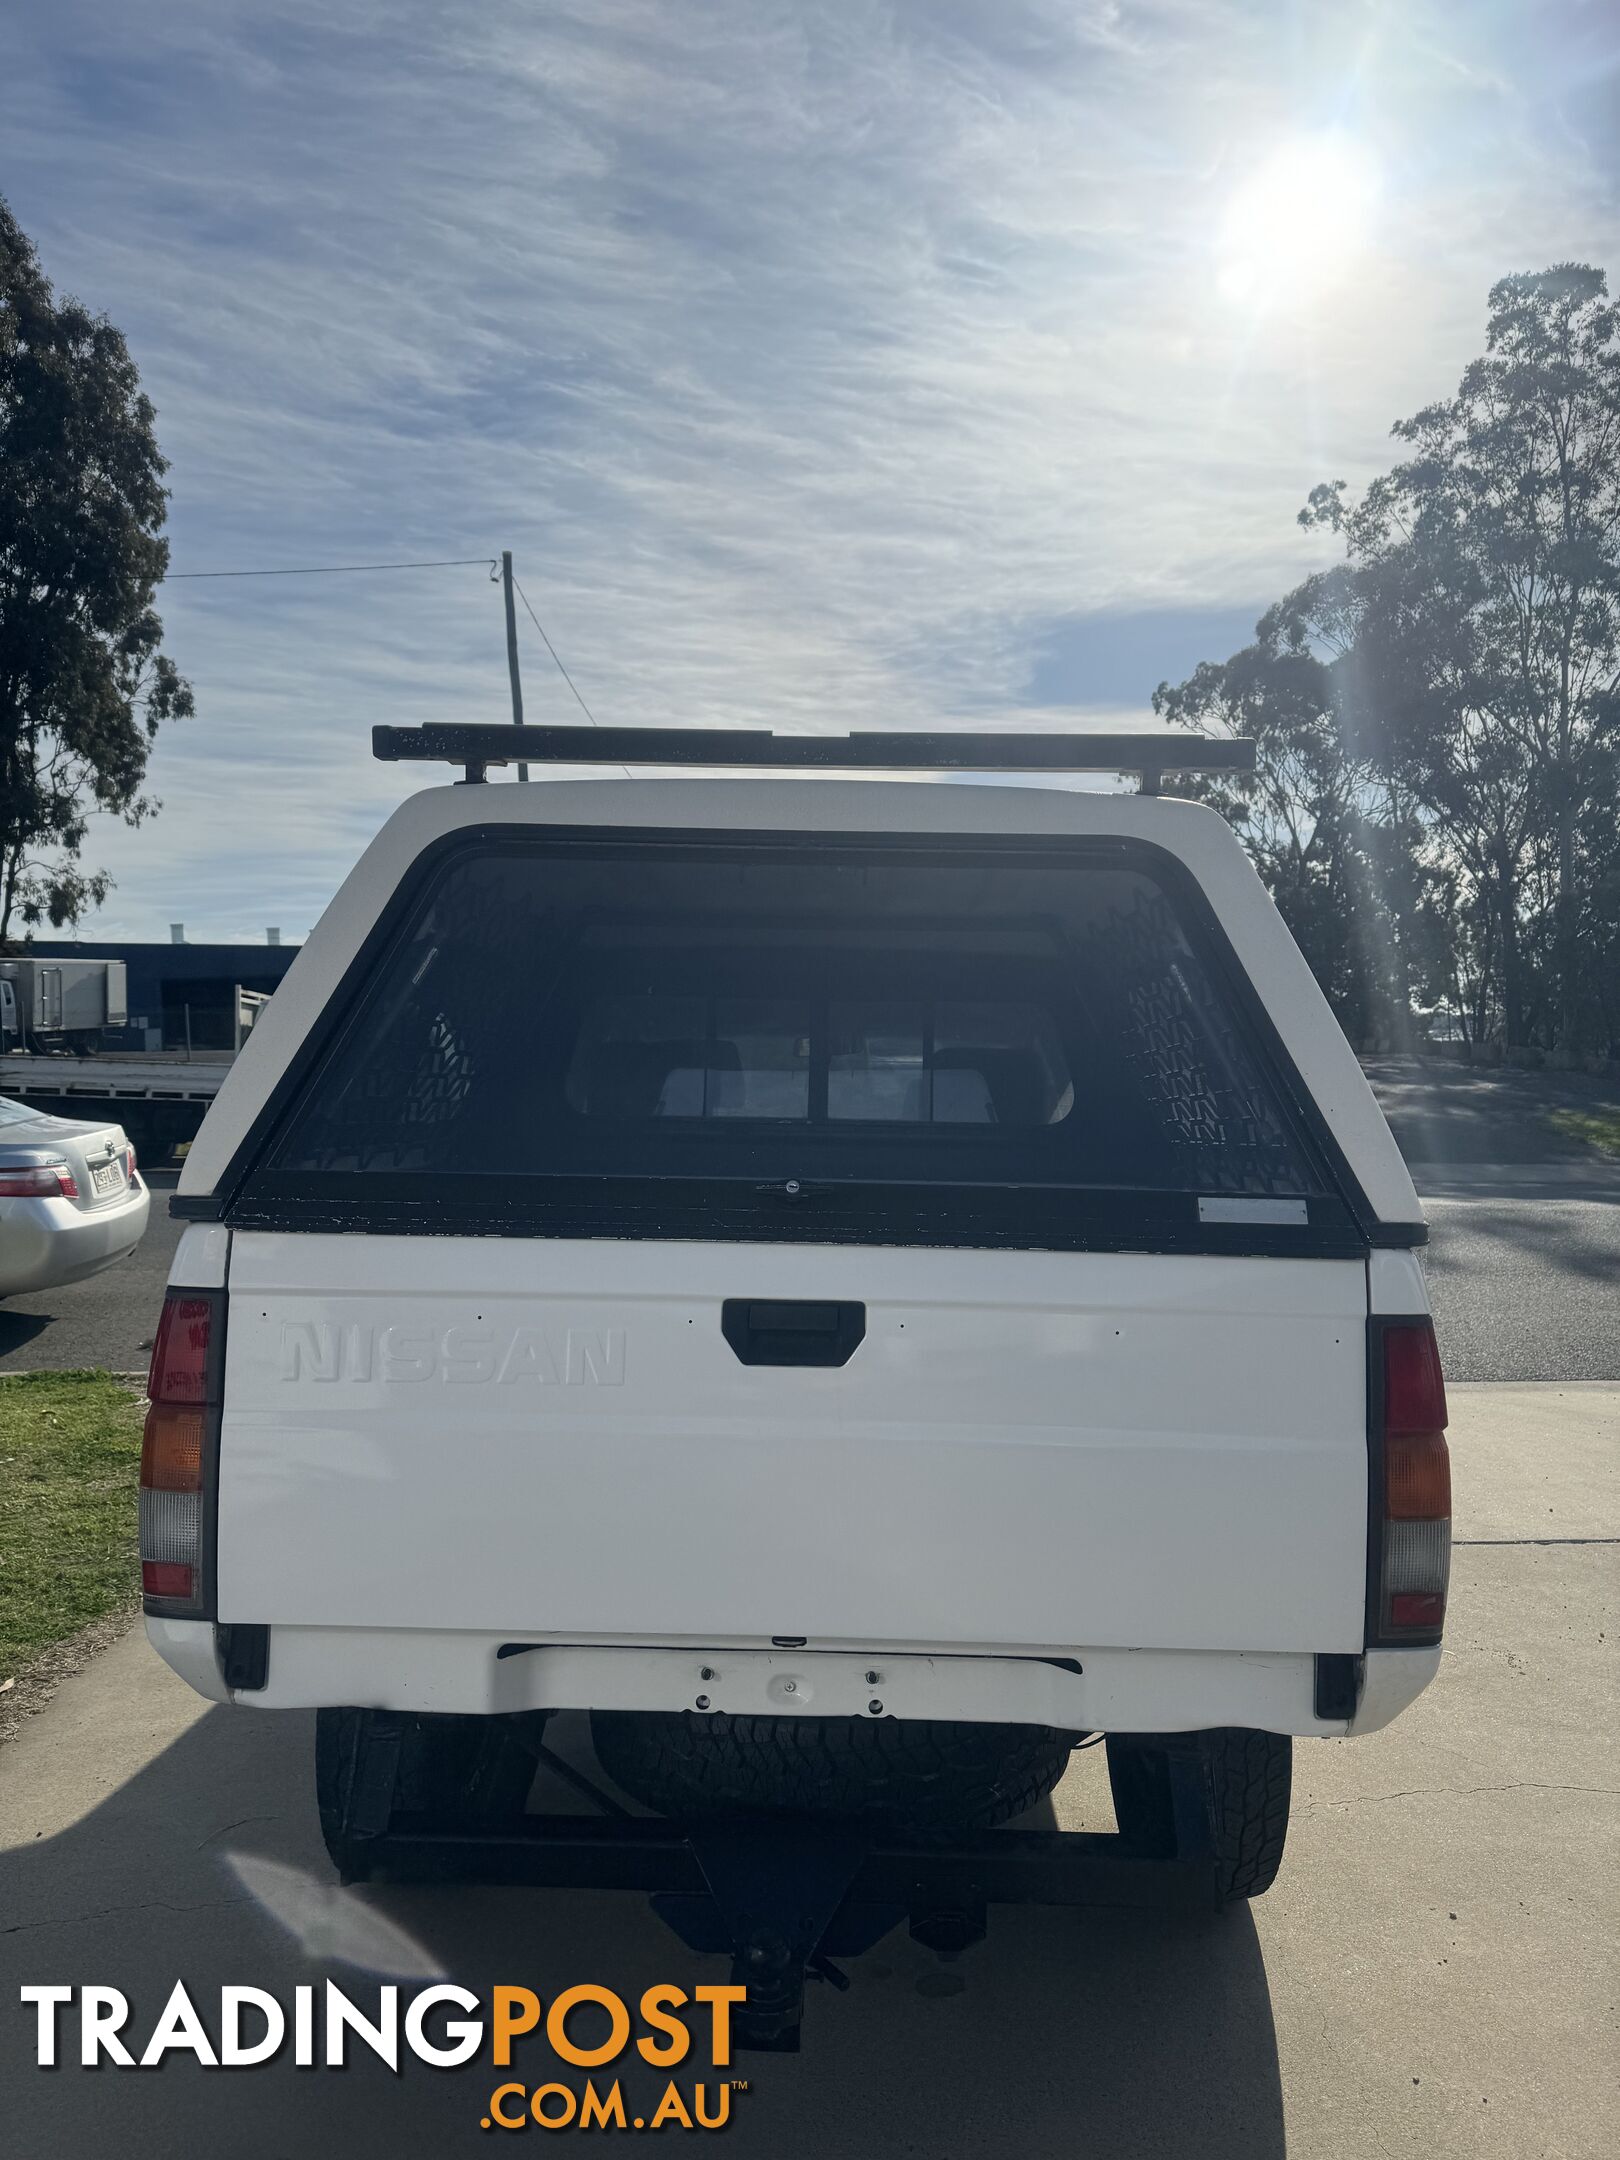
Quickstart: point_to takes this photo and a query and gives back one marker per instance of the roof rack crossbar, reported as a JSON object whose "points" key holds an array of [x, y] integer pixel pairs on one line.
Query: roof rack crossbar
{"points": [[478, 745]]}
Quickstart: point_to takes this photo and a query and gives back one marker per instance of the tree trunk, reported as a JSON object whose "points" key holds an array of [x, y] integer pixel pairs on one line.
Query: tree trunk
{"points": [[1569, 1027], [1507, 907], [1482, 978]]}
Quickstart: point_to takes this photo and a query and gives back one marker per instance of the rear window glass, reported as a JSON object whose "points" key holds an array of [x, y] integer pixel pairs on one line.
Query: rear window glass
{"points": [[897, 1059], [556, 1010]]}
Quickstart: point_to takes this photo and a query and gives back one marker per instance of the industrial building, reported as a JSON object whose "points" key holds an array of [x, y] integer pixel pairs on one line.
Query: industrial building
{"points": [[180, 993]]}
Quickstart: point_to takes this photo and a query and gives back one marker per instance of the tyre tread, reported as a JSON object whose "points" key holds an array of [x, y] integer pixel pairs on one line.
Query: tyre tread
{"points": [[913, 1772], [1248, 1776], [464, 1770]]}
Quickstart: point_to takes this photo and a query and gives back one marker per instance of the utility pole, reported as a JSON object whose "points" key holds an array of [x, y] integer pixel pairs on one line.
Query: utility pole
{"points": [[511, 648]]}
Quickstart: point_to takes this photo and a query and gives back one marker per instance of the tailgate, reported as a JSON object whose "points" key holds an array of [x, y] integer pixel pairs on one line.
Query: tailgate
{"points": [[553, 1439]]}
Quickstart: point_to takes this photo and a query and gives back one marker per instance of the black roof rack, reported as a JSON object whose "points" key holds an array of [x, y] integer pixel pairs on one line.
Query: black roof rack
{"points": [[478, 745]]}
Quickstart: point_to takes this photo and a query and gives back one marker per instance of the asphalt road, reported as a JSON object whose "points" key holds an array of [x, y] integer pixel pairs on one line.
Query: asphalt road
{"points": [[105, 1322], [1524, 1220], [1461, 1115], [1429, 1979], [1523, 1257], [1524, 1287]]}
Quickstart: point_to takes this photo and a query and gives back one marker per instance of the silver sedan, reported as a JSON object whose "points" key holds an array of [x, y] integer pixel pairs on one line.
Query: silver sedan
{"points": [[71, 1199]]}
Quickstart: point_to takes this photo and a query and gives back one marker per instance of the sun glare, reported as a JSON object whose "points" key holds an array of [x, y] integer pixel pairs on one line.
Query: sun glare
{"points": [[1297, 224]]}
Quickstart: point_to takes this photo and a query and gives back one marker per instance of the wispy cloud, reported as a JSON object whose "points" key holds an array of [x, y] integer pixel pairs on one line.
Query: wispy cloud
{"points": [[820, 363]]}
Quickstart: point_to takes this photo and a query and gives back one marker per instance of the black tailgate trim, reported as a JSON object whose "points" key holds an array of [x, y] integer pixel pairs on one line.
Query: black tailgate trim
{"points": [[733, 1211]]}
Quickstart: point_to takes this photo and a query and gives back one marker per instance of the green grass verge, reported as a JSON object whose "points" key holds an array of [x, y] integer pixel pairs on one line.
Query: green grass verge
{"points": [[70, 1452], [1600, 1126]]}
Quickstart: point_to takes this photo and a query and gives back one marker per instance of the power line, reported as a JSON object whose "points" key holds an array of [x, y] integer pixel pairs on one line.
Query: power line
{"points": [[447, 562], [550, 648], [450, 562]]}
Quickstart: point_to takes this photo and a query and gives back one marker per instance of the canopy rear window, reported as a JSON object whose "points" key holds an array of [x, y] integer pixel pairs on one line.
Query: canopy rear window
{"points": [[669, 1036]]}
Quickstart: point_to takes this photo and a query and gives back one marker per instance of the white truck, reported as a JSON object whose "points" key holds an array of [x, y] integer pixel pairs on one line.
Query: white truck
{"points": [[858, 1285], [54, 1005]]}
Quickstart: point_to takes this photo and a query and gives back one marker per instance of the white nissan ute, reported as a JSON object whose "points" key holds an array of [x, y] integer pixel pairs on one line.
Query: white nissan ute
{"points": [[858, 1284]]}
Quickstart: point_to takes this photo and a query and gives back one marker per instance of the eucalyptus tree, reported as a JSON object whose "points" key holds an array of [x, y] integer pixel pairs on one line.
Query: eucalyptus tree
{"points": [[84, 682], [1467, 649]]}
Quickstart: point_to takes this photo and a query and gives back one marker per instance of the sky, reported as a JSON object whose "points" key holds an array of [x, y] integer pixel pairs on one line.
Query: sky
{"points": [[823, 364]]}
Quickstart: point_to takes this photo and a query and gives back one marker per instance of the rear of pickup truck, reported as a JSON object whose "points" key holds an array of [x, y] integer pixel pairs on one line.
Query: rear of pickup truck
{"points": [[740, 1251]]}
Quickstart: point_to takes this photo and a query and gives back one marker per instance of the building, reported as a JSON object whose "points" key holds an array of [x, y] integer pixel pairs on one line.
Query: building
{"points": [[177, 992]]}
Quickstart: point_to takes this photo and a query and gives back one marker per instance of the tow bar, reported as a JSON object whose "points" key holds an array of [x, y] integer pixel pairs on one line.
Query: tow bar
{"points": [[786, 1896]]}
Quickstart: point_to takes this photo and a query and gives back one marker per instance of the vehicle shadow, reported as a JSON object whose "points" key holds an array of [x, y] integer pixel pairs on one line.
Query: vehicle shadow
{"points": [[1064, 2032], [17, 1328]]}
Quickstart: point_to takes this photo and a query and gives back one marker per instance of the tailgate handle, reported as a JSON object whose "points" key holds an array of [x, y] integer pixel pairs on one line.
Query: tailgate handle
{"points": [[770, 1331]]}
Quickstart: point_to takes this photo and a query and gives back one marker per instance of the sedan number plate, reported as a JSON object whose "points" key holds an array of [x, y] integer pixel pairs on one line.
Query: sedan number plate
{"points": [[107, 1177]]}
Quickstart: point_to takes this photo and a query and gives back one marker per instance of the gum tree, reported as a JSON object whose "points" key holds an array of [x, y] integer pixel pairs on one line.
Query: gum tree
{"points": [[84, 684], [1469, 655], [1487, 565]]}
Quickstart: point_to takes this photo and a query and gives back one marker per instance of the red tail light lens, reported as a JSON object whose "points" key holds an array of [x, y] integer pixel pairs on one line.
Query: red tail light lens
{"points": [[179, 1369], [1418, 1609], [177, 1452], [1414, 1386], [1413, 1542], [38, 1181]]}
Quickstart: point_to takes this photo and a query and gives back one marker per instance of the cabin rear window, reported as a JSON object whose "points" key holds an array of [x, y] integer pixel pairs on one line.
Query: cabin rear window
{"points": [[679, 1029]]}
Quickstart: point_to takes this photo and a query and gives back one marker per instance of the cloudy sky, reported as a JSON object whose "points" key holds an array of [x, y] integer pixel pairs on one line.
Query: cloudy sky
{"points": [[824, 364]]}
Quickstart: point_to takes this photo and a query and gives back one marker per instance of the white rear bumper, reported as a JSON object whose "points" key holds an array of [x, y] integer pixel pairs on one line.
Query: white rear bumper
{"points": [[1094, 1691]]}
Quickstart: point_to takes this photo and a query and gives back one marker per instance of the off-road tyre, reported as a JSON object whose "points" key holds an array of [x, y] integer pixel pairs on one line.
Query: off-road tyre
{"points": [[1246, 1778], [463, 1772], [918, 1775]]}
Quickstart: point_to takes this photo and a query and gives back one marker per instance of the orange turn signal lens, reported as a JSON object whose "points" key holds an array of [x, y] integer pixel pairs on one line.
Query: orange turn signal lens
{"points": [[172, 1448], [1417, 1477]]}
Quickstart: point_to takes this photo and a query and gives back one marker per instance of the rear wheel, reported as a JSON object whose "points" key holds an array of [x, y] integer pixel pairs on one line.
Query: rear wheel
{"points": [[1245, 1780], [912, 1774], [463, 1772]]}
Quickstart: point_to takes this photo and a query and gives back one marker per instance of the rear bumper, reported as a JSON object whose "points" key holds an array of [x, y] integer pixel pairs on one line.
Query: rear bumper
{"points": [[1091, 1691], [44, 1243]]}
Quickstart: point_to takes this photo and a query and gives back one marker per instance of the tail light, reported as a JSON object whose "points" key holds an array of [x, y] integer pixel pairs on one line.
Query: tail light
{"points": [[38, 1181], [129, 1163], [1412, 1525], [178, 1453]]}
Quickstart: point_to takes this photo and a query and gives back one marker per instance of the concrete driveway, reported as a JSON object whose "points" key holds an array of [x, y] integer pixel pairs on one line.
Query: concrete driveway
{"points": [[1432, 1975]]}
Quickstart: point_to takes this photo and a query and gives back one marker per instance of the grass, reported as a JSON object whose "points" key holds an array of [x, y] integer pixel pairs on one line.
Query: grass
{"points": [[70, 1451], [1601, 1126]]}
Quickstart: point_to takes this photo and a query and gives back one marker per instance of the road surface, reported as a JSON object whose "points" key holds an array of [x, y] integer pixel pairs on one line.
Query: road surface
{"points": [[1524, 1220], [107, 1321]]}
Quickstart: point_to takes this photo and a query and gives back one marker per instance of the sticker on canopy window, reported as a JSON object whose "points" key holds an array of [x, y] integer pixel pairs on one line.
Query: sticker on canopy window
{"points": [[1293, 1212]]}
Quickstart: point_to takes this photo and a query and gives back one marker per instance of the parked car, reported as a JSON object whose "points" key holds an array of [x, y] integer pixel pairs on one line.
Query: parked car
{"points": [[856, 1285], [72, 1201]]}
